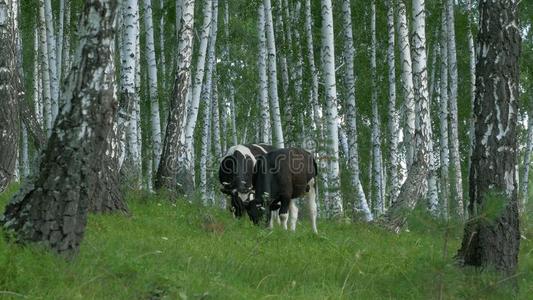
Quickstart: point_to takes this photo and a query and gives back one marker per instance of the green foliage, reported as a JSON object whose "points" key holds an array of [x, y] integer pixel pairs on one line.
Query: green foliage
{"points": [[182, 250]]}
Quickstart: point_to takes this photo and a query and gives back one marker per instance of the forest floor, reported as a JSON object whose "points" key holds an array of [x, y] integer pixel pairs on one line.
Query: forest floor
{"points": [[184, 251]]}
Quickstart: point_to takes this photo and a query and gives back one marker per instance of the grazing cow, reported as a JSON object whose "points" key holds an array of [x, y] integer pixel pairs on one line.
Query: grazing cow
{"points": [[235, 173], [280, 176]]}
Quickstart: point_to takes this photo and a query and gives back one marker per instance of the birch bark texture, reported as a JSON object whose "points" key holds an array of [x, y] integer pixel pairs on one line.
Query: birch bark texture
{"points": [[492, 236], [52, 209], [45, 70], [265, 133], [351, 113], [174, 140], [153, 83], [416, 185], [277, 140], [335, 208], [443, 119], [378, 200], [9, 121], [407, 82], [455, 157], [394, 118]]}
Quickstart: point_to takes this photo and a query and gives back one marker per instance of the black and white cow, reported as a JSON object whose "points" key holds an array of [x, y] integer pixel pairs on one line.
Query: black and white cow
{"points": [[235, 173], [279, 177]]}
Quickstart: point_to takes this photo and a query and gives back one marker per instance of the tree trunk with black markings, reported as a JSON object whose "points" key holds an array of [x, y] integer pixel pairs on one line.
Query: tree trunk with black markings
{"points": [[492, 236], [52, 209]]}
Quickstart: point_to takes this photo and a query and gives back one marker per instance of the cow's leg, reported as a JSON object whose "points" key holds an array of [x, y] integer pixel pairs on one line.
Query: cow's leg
{"points": [[275, 216], [271, 219], [293, 214], [311, 200], [284, 212]]}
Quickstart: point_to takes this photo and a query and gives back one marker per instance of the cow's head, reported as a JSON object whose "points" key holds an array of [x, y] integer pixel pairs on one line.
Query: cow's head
{"points": [[235, 175], [255, 209]]}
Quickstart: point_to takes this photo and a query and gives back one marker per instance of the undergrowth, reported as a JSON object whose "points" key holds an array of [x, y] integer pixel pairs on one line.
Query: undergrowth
{"points": [[184, 251]]}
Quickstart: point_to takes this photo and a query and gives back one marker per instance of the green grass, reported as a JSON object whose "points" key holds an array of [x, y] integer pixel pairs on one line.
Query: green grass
{"points": [[166, 251]]}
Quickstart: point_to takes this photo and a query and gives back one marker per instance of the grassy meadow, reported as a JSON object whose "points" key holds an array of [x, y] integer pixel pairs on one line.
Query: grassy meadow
{"points": [[184, 251]]}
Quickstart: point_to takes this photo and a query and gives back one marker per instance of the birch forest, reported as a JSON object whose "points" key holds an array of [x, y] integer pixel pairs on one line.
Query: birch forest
{"points": [[119, 119]]}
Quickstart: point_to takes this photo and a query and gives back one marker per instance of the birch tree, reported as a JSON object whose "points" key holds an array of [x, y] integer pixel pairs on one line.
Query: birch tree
{"points": [[52, 58], [524, 191], [192, 110], [9, 122], [407, 82], [455, 158], [128, 73], [153, 83], [443, 117], [205, 157], [174, 140], [472, 55], [45, 69], [313, 94], [52, 210], [335, 208], [265, 129], [278, 140], [351, 112], [416, 185], [205, 152], [492, 236], [379, 203], [394, 122]]}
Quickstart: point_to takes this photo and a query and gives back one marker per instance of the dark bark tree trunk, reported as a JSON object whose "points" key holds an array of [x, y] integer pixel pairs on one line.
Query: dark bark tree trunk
{"points": [[9, 118], [492, 237], [174, 141], [52, 209]]}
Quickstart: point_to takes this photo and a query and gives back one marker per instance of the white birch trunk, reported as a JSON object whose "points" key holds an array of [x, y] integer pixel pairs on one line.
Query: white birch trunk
{"points": [[179, 14], [60, 40], [265, 129], [204, 152], [52, 58], [376, 132], [128, 78], [351, 113], [444, 115], [215, 111], [37, 83], [45, 70], [407, 82], [524, 189], [211, 69], [65, 52], [424, 140], [455, 158], [162, 58], [233, 115], [394, 122], [311, 63], [192, 111], [298, 70], [24, 153], [335, 208], [278, 140], [472, 55], [153, 83]]}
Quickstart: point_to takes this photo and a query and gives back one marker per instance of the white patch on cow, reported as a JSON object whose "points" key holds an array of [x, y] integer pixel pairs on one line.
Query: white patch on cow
{"points": [[260, 148], [293, 215], [242, 149], [225, 183], [311, 200], [243, 196], [284, 217]]}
